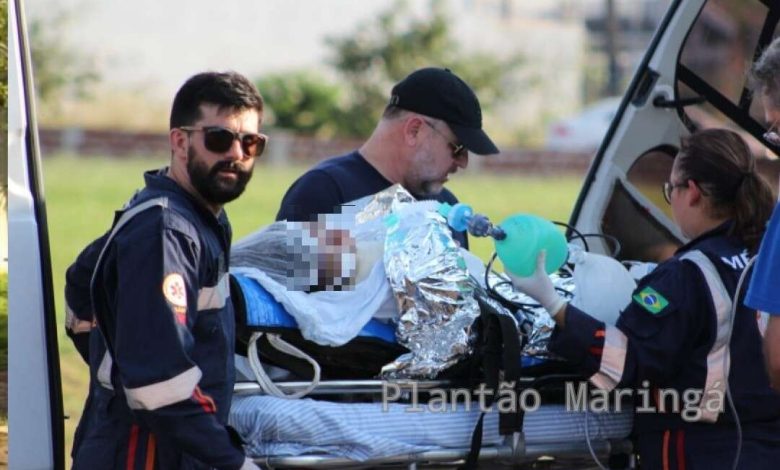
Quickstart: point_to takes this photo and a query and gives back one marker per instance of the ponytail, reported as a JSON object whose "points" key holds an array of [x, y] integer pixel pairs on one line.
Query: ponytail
{"points": [[752, 208], [721, 163]]}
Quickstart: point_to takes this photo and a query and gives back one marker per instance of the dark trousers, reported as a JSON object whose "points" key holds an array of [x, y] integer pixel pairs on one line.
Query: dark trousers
{"points": [[710, 449]]}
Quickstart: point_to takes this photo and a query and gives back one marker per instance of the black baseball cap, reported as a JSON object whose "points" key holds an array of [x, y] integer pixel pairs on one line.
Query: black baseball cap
{"points": [[441, 94]]}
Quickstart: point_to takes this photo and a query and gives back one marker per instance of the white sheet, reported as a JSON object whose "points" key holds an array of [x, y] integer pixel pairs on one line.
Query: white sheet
{"points": [[322, 316], [361, 431]]}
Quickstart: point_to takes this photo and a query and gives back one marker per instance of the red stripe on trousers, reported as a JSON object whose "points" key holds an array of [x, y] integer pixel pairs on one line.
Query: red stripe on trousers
{"points": [[680, 450], [151, 445], [132, 446], [665, 451]]}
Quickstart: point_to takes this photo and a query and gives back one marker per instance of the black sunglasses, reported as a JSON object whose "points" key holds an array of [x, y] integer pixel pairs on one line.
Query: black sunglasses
{"points": [[458, 150], [219, 140]]}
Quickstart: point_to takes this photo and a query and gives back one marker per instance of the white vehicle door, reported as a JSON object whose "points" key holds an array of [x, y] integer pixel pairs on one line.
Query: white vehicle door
{"points": [[693, 75], [35, 416]]}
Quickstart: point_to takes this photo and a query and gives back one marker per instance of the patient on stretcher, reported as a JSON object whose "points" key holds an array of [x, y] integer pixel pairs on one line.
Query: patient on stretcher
{"points": [[395, 262], [402, 284]]}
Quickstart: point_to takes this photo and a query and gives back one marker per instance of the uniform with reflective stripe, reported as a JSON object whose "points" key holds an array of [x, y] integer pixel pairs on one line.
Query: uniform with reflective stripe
{"points": [[677, 341], [162, 359]]}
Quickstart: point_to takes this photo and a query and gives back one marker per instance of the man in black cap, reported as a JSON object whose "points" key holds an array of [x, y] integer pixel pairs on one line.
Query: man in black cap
{"points": [[431, 123]]}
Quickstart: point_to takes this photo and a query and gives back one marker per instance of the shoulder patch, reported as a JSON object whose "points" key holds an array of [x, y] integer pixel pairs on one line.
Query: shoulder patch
{"points": [[175, 293], [174, 290], [651, 300]]}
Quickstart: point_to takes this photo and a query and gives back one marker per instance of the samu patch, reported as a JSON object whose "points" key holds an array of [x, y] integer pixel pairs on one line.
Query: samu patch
{"points": [[651, 300], [175, 293]]}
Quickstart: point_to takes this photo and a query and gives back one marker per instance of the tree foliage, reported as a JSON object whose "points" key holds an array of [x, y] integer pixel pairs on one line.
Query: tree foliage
{"points": [[4, 52], [300, 100], [369, 60], [4, 126], [59, 69], [381, 53]]}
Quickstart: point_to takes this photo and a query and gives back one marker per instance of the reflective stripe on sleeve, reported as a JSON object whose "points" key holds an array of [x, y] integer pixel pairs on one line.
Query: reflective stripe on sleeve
{"points": [[718, 360], [74, 324], [104, 371], [157, 395], [613, 359], [216, 296]]}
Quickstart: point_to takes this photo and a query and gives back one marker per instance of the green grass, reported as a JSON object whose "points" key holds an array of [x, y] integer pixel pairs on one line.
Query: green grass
{"points": [[82, 194]]}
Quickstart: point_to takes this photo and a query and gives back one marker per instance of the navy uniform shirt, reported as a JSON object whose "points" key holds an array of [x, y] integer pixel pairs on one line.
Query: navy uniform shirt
{"points": [[161, 301], [664, 337], [333, 182]]}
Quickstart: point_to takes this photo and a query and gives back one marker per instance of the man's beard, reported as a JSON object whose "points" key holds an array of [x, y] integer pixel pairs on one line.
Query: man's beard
{"points": [[425, 184], [208, 183], [430, 188]]}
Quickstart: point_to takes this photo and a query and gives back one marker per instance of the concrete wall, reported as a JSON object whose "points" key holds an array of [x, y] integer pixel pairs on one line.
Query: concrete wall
{"points": [[284, 149]]}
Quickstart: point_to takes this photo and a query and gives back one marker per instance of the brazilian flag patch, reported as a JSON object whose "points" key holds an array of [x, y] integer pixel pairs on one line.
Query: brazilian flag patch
{"points": [[651, 300]]}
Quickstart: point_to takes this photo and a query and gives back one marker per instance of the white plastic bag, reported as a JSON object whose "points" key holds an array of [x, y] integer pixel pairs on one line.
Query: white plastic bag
{"points": [[603, 286]]}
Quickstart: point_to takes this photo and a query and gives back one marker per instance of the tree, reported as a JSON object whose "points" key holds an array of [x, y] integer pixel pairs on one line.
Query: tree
{"points": [[58, 69], [4, 130], [4, 52], [377, 55], [300, 100], [368, 62]]}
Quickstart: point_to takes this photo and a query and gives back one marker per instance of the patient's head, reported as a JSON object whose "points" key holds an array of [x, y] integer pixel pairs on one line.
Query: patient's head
{"points": [[303, 256], [321, 257]]}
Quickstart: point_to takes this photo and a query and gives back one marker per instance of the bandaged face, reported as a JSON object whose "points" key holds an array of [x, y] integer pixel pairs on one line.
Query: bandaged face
{"points": [[322, 257]]}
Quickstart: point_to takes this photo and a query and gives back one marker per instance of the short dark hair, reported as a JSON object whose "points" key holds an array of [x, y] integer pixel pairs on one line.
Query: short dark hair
{"points": [[392, 111], [721, 164], [227, 90], [765, 73]]}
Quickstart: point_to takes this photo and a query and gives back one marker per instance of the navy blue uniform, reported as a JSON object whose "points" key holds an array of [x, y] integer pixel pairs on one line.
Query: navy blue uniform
{"points": [[333, 182], [161, 393], [674, 336], [79, 319]]}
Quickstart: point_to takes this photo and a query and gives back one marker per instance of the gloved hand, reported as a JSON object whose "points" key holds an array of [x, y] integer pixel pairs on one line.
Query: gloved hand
{"points": [[539, 287], [249, 465]]}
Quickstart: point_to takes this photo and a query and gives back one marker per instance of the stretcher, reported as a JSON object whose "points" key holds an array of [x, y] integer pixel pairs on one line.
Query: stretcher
{"points": [[320, 433], [369, 423]]}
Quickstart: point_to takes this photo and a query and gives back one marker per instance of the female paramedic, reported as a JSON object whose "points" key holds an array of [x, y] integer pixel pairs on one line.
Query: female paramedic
{"points": [[677, 337]]}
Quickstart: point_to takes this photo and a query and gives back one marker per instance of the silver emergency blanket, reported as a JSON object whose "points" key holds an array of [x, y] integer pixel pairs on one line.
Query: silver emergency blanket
{"points": [[534, 321], [428, 276], [433, 288]]}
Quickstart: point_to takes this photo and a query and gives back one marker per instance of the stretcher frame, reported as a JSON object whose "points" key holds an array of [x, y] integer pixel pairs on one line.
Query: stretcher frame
{"points": [[512, 451]]}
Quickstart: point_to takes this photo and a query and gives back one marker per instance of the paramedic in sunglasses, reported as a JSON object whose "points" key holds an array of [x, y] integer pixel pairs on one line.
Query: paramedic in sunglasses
{"points": [[430, 124], [161, 356], [764, 291], [675, 333]]}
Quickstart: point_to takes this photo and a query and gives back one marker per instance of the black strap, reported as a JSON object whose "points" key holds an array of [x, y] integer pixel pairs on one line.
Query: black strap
{"points": [[500, 348], [509, 423], [476, 444]]}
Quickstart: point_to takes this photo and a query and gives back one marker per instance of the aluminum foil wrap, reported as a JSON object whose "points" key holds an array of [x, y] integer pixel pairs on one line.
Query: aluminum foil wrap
{"points": [[535, 323], [433, 288]]}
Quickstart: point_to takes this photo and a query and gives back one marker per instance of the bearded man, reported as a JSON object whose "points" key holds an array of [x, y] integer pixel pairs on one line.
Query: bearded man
{"points": [[149, 302]]}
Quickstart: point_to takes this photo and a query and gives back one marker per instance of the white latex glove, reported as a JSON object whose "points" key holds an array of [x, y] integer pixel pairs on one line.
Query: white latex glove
{"points": [[539, 287], [249, 465]]}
